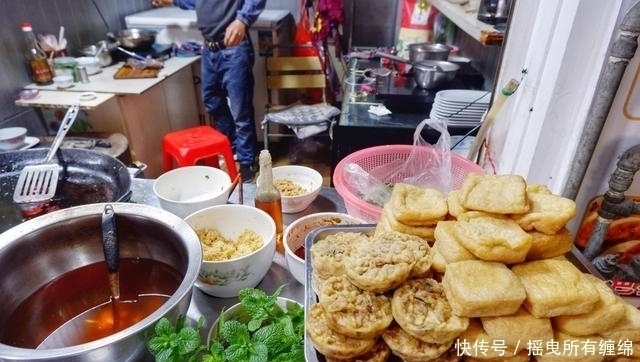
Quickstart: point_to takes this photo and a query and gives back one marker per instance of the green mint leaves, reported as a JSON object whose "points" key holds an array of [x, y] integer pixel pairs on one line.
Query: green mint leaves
{"points": [[262, 332]]}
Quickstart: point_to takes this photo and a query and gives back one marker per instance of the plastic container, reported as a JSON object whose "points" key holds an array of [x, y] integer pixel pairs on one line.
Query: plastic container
{"points": [[372, 158], [360, 88]]}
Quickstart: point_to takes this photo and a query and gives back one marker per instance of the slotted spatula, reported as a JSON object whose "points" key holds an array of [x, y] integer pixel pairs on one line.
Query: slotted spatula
{"points": [[38, 182]]}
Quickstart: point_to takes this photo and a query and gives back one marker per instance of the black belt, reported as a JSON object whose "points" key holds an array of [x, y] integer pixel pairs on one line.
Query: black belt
{"points": [[214, 45]]}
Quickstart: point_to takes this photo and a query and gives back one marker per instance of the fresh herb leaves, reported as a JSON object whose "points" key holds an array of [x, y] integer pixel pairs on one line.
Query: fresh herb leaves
{"points": [[262, 332]]}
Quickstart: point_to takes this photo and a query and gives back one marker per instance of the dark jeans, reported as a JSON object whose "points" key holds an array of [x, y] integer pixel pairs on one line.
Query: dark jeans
{"points": [[229, 73]]}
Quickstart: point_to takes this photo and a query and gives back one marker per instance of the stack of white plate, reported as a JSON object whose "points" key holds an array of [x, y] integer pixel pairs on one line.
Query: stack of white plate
{"points": [[460, 107]]}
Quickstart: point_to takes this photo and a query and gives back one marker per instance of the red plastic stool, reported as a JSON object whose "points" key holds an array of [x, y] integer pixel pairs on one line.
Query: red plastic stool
{"points": [[202, 143]]}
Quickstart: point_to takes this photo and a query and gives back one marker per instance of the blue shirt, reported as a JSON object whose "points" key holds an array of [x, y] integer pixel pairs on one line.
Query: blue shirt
{"points": [[215, 15]]}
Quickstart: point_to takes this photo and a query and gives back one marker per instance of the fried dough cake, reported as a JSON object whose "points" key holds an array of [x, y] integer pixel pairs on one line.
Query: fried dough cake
{"points": [[411, 349], [379, 353], [555, 287], [354, 312], [328, 253], [500, 194], [606, 313], [421, 250], [548, 213], [381, 266], [493, 239], [477, 288], [329, 342], [421, 308], [417, 206]]}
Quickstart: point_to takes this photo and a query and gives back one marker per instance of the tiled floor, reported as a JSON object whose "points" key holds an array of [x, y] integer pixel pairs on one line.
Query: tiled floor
{"points": [[312, 152]]}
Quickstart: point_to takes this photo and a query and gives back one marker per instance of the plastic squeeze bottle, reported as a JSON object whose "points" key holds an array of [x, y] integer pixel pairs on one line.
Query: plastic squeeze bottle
{"points": [[267, 197]]}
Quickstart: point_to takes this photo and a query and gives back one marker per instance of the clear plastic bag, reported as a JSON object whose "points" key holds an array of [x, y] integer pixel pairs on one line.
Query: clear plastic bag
{"points": [[426, 165]]}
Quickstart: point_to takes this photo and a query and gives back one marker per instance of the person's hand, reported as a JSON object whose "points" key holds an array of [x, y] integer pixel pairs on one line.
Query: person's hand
{"points": [[161, 3], [234, 33]]}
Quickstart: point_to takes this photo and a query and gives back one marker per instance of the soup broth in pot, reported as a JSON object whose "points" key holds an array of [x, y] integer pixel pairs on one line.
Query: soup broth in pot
{"points": [[76, 308]]}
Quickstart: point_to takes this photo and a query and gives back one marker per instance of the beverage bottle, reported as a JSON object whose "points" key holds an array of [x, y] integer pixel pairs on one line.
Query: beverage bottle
{"points": [[267, 197], [39, 67]]}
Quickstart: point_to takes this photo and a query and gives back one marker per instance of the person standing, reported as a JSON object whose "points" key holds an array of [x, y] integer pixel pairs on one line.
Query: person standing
{"points": [[227, 70]]}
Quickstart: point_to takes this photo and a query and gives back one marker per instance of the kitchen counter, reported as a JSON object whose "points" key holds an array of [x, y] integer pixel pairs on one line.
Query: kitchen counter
{"points": [[358, 129], [144, 109], [204, 305], [104, 82]]}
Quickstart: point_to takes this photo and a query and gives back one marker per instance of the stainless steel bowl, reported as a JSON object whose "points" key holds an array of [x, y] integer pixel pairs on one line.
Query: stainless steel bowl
{"points": [[428, 51], [42, 249], [430, 74]]}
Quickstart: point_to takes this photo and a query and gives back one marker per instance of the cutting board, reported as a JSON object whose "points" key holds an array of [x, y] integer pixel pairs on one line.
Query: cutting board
{"points": [[126, 72]]}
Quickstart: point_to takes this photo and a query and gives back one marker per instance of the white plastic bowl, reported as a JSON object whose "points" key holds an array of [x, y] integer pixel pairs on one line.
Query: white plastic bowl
{"points": [[306, 177], [224, 279], [63, 81], [91, 64], [12, 137], [294, 236], [185, 190]]}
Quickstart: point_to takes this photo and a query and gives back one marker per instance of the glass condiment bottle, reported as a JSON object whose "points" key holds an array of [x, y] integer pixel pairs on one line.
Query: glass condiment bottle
{"points": [[39, 66], [267, 197]]}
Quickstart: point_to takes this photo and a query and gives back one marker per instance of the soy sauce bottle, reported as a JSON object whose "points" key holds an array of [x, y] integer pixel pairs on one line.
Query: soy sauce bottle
{"points": [[267, 197]]}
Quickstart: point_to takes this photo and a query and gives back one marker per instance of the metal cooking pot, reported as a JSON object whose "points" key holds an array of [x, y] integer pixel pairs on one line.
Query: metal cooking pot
{"points": [[87, 177], [38, 251], [134, 39], [428, 51], [430, 74]]}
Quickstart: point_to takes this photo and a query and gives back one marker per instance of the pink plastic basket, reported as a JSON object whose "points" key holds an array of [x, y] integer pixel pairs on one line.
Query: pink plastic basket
{"points": [[373, 160]]}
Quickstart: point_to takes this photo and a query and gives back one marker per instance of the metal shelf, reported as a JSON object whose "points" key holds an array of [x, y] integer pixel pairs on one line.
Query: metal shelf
{"points": [[468, 22]]}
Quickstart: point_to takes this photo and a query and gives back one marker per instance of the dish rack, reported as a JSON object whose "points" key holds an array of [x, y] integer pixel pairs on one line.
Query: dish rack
{"points": [[375, 158]]}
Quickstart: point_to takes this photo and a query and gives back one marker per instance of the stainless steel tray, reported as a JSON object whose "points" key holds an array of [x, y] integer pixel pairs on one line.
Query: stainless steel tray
{"points": [[310, 297]]}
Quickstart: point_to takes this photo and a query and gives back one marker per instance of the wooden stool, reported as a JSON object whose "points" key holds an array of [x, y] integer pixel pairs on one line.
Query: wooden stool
{"points": [[202, 143]]}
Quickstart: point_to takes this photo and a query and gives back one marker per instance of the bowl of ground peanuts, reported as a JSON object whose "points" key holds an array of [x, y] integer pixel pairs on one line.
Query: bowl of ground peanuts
{"points": [[238, 245], [298, 186]]}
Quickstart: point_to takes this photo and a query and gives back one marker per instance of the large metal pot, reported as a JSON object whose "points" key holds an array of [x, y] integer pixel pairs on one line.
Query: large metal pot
{"points": [[38, 251], [428, 51], [87, 177], [134, 39], [430, 74]]}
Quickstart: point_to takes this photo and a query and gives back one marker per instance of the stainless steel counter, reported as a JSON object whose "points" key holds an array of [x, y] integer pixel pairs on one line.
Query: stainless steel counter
{"points": [[208, 306]]}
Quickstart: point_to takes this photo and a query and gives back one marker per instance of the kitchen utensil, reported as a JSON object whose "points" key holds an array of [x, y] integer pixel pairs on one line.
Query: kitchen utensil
{"points": [[111, 250], [131, 54], [430, 74], [134, 39], [498, 102], [89, 177], [39, 182], [160, 255], [428, 51]]}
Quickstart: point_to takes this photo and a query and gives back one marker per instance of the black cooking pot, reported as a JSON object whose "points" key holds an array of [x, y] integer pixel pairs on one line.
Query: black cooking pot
{"points": [[87, 177]]}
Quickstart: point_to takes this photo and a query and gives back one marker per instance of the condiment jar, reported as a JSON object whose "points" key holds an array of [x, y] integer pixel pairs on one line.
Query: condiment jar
{"points": [[267, 197]]}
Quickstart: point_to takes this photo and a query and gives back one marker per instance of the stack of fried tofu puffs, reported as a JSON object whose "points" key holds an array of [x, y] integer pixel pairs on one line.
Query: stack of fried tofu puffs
{"points": [[479, 274]]}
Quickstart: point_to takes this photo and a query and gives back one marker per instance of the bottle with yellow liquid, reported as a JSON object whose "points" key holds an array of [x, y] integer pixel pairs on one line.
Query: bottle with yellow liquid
{"points": [[267, 197]]}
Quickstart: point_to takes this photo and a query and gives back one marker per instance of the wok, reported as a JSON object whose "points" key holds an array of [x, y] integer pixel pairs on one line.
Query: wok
{"points": [[86, 177], [134, 39]]}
